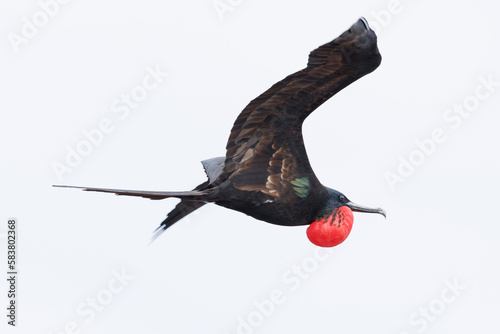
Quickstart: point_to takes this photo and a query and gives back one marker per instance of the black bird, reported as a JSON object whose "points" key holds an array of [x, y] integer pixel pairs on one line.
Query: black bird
{"points": [[266, 173]]}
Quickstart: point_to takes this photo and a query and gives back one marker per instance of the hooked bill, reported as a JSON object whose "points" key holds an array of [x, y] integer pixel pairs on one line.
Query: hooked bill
{"points": [[333, 229]]}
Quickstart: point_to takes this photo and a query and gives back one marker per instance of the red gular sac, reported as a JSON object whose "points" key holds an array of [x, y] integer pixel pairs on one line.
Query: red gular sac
{"points": [[333, 229]]}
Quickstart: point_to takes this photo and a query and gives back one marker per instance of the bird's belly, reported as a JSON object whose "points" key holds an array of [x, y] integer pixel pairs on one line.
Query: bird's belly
{"points": [[273, 213]]}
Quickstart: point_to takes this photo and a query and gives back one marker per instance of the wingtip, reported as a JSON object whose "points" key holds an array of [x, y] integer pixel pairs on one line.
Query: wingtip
{"points": [[365, 22]]}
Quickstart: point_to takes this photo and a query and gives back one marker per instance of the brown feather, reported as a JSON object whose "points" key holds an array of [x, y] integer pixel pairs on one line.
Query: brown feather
{"points": [[265, 150]]}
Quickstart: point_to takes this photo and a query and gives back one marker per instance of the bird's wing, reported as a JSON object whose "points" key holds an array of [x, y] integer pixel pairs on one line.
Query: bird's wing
{"points": [[265, 150]]}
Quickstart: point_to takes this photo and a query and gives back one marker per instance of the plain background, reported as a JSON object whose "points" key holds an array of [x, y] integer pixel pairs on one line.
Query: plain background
{"points": [[205, 274]]}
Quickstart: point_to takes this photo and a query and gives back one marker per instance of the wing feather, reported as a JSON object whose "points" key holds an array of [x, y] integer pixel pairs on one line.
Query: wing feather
{"points": [[265, 150]]}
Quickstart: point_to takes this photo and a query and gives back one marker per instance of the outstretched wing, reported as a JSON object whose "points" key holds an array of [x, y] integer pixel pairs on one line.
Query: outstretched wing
{"points": [[265, 150]]}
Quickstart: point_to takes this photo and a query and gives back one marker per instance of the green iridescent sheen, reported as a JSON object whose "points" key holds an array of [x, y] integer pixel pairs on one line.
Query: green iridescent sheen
{"points": [[301, 187]]}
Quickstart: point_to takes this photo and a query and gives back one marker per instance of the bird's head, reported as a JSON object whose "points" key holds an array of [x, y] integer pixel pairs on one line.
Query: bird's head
{"points": [[334, 221], [355, 50]]}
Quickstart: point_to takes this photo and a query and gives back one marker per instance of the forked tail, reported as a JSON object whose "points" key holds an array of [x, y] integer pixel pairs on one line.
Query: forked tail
{"points": [[193, 195], [181, 210], [190, 201]]}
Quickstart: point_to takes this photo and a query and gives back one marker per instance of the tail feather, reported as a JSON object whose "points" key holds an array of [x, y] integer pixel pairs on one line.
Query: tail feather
{"points": [[180, 211], [190, 201], [192, 195]]}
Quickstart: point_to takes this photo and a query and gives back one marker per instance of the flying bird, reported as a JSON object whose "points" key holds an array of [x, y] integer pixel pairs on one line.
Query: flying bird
{"points": [[266, 173]]}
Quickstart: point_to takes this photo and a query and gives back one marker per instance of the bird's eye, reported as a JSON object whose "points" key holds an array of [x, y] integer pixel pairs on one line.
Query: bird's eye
{"points": [[342, 198]]}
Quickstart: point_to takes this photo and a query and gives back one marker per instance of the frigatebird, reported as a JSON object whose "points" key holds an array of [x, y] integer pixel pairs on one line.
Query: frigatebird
{"points": [[266, 173]]}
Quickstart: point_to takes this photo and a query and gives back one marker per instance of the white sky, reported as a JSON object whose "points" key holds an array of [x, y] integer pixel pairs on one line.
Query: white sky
{"points": [[210, 271]]}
